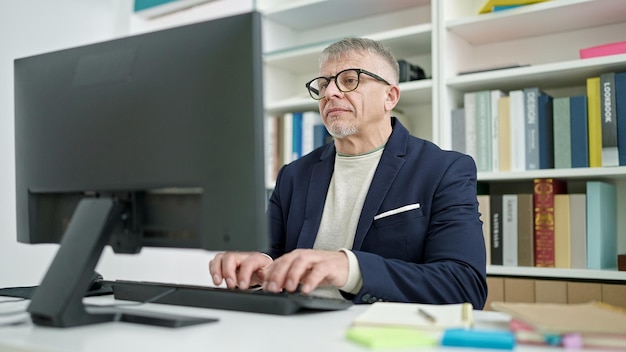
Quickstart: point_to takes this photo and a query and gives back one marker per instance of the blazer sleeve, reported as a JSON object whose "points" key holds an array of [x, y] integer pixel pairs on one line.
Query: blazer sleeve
{"points": [[452, 265]]}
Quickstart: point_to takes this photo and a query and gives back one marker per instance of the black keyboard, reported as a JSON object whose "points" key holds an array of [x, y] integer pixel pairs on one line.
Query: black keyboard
{"points": [[256, 301]]}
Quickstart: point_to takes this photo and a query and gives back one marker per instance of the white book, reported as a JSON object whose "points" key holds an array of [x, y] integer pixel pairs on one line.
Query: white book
{"points": [[469, 103], [495, 128], [287, 138], [518, 128], [509, 229]]}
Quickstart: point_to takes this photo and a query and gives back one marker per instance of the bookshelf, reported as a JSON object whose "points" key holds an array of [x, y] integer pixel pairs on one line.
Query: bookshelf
{"points": [[447, 38]]}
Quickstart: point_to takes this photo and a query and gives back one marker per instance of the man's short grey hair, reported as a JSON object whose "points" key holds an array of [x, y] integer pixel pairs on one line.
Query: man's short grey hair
{"points": [[347, 46]]}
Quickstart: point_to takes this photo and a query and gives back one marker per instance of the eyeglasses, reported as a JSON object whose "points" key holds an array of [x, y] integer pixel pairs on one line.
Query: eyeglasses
{"points": [[346, 81]]}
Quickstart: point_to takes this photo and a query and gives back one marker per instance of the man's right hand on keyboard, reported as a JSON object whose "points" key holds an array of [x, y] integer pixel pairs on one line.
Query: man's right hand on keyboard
{"points": [[239, 269]]}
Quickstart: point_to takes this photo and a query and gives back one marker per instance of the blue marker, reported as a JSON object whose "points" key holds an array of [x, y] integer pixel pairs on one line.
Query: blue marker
{"points": [[478, 338]]}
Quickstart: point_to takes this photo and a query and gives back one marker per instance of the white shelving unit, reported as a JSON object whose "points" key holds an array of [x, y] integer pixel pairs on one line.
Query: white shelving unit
{"points": [[447, 38]]}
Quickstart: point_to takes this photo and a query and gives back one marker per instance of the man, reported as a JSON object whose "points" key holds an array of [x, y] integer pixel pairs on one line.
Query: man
{"points": [[378, 215]]}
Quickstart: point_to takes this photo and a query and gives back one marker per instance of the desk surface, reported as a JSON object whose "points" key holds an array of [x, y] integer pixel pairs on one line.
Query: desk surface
{"points": [[235, 331]]}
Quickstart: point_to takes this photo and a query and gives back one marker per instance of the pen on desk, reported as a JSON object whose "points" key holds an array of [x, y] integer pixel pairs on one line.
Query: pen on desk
{"points": [[431, 319]]}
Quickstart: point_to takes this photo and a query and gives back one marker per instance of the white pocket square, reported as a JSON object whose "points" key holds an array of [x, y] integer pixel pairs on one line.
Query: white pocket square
{"points": [[397, 210]]}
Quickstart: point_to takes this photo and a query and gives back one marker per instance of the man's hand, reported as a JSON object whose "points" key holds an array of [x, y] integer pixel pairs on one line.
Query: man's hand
{"points": [[239, 269], [308, 268]]}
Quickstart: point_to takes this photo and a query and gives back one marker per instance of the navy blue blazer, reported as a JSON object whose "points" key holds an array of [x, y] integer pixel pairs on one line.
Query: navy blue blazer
{"points": [[426, 245]]}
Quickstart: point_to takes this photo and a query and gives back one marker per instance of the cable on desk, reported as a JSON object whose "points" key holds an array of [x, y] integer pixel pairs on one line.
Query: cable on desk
{"points": [[149, 300]]}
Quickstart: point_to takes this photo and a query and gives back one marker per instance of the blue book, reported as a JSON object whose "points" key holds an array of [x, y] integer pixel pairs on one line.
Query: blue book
{"points": [[296, 140], [320, 136], [532, 133], [545, 131], [620, 112], [601, 225], [579, 132]]}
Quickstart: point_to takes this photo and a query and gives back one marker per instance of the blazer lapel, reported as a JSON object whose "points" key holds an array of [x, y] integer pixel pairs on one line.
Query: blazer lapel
{"points": [[388, 167]]}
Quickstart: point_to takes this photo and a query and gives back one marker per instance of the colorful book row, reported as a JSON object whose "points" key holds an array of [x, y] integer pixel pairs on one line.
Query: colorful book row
{"points": [[552, 228], [528, 129], [289, 137]]}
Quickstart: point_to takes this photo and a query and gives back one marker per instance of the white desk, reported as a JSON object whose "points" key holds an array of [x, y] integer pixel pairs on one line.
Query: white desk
{"points": [[235, 331]]}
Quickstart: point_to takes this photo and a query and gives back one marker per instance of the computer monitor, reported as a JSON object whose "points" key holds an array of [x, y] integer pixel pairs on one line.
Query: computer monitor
{"points": [[152, 140]]}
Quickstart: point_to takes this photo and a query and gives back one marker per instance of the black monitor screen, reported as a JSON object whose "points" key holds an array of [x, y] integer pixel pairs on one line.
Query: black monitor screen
{"points": [[148, 140]]}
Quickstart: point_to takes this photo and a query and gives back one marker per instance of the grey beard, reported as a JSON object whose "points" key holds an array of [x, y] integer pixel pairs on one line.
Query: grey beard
{"points": [[342, 131]]}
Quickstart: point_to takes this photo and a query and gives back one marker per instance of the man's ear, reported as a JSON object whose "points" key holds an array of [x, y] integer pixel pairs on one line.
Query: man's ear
{"points": [[393, 96]]}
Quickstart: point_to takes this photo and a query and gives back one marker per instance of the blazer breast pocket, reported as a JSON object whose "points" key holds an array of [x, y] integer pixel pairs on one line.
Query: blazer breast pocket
{"points": [[398, 215]]}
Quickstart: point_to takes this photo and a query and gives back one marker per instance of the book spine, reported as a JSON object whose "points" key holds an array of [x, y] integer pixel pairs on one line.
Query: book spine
{"points": [[609, 122], [562, 231], [504, 133], [457, 121], [485, 217], [601, 225], [297, 135], [562, 134], [287, 136], [483, 131], [495, 203], [525, 238], [578, 230], [544, 191], [509, 229], [545, 131], [495, 128], [620, 113], [594, 124], [469, 103], [531, 128], [579, 132], [518, 130]]}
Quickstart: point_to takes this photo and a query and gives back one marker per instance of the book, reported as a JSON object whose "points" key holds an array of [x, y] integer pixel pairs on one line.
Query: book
{"points": [[578, 230], [296, 135], [495, 96], [416, 315], [620, 113], [601, 225], [485, 217], [545, 125], [483, 131], [609, 122], [594, 125], [562, 134], [579, 133], [490, 4], [509, 229], [601, 323], [603, 50], [538, 129], [310, 119], [518, 128], [469, 104], [543, 197], [457, 127], [525, 230], [562, 232], [495, 204], [504, 134]]}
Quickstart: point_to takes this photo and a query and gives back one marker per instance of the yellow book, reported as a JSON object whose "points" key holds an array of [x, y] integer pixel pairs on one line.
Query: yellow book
{"points": [[562, 232], [593, 122], [489, 4]]}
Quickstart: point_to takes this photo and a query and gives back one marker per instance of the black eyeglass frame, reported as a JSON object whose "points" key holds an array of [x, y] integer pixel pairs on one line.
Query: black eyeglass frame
{"points": [[312, 90]]}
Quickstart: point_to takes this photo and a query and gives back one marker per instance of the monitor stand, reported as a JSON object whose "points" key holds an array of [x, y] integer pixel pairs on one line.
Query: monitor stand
{"points": [[58, 301]]}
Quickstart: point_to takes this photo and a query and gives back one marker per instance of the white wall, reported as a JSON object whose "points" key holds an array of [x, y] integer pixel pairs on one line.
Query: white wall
{"points": [[30, 27]]}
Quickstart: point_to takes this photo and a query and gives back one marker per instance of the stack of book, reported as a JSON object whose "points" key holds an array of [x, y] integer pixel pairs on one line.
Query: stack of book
{"points": [[528, 129], [501, 5], [549, 227]]}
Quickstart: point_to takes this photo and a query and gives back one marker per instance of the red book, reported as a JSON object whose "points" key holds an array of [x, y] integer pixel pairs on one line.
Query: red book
{"points": [[543, 191], [603, 50]]}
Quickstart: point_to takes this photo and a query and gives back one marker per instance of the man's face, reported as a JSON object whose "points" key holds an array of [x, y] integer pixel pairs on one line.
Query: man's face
{"points": [[347, 114]]}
